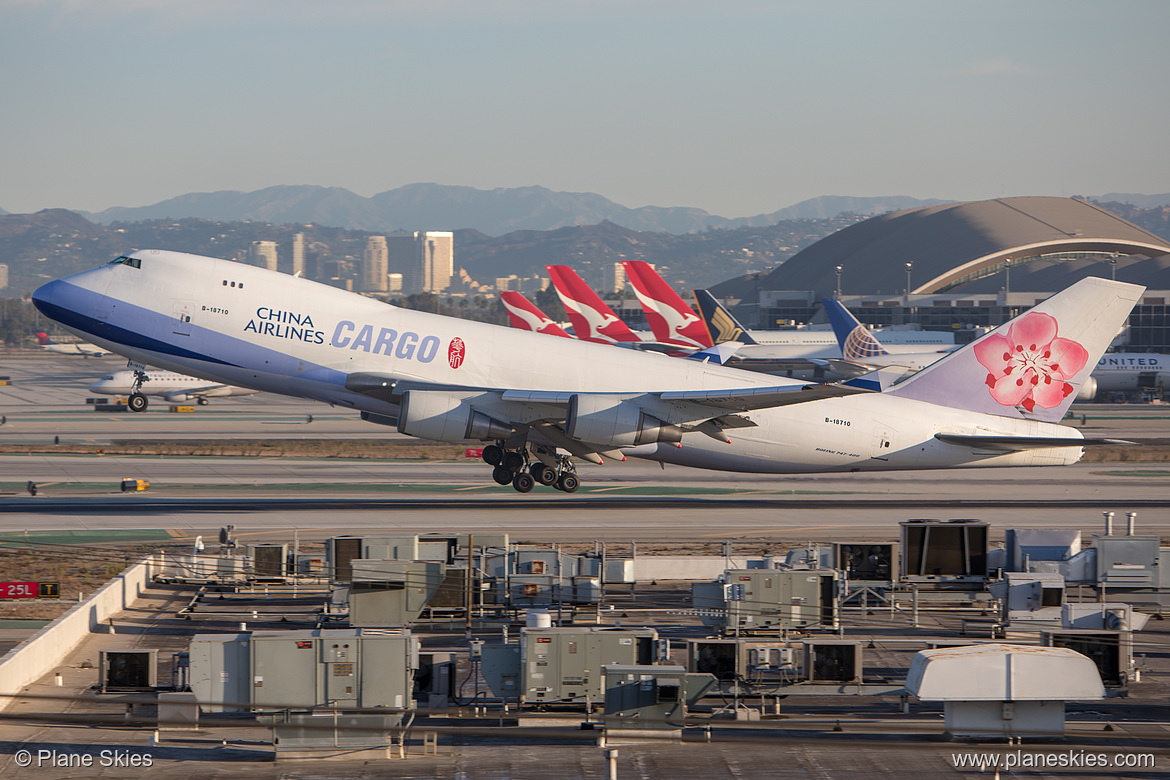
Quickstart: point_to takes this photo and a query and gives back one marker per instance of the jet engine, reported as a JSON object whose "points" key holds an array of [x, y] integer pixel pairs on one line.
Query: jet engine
{"points": [[446, 417], [603, 419], [177, 397], [1088, 391]]}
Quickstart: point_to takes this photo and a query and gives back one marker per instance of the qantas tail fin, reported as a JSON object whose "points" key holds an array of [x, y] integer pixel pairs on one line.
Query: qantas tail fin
{"points": [[1033, 365], [856, 342], [525, 315], [592, 319], [720, 323], [669, 316]]}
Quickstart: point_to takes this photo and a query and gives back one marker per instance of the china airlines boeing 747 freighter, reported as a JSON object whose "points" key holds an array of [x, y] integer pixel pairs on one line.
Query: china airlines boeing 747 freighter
{"points": [[995, 402]]}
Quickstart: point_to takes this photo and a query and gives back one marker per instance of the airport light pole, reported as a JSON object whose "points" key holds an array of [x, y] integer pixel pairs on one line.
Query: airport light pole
{"points": [[1007, 275], [1113, 267], [839, 282], [909, 268]]}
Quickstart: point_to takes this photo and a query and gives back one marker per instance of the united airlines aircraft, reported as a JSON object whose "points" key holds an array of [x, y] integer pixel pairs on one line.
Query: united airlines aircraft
{"points": [[995, 402]]}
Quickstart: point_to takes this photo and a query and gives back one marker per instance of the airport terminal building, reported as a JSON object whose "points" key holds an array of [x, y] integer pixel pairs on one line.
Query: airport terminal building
{"points": [[963, 266]]}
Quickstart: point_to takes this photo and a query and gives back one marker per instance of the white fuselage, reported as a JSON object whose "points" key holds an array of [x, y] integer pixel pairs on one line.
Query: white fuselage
{"points": [[166, 384], [241, 325], [1122, 371]]}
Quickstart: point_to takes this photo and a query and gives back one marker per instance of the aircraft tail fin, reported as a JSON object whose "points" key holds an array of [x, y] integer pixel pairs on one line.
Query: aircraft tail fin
{"points": [[669, 316], [855, 340], [592, 319], [526, 315], [720, 323], [1033, 365], [43, 339]]}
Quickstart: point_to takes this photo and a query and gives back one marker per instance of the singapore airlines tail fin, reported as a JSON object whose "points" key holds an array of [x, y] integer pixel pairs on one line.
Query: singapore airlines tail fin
{"points": [[856, 342], [720, 323], [526, 315], [672, 321], [592, 319], [1033, 365]]}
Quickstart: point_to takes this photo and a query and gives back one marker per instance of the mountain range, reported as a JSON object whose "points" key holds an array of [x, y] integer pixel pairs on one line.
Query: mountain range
{"points": [[497, 212], [492, 212]]}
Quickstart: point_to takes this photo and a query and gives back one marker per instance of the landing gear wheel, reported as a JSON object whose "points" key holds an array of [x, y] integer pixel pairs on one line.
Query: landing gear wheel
{"points": [[493, 454], [513, 461], [523, 482], [543, 474], [202, 401], [137, 402], [502, 475], [568, 483]]}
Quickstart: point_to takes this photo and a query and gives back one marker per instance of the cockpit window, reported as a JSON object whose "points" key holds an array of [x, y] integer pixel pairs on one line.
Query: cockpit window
{"points": [[133, 262]]}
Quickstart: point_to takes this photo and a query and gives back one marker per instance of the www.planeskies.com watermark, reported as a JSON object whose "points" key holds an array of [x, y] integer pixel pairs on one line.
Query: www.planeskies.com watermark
{"points": [[1066, 759]]}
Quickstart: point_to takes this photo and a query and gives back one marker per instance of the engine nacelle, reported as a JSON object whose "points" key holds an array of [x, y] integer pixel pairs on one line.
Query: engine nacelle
{"points": [[1088, 391], [178, 397], [446, 417], [603, 419]]}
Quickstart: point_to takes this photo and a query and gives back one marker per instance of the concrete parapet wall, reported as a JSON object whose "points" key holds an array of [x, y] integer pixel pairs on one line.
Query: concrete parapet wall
{"points": [[47, 649]]}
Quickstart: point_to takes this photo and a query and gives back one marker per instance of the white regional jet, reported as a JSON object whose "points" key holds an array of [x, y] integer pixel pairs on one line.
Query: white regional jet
{"points": [[167, 385], [995, 402]]}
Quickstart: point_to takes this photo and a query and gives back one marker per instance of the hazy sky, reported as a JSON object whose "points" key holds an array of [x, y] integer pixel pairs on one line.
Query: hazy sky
{"points": [[738, 107]]}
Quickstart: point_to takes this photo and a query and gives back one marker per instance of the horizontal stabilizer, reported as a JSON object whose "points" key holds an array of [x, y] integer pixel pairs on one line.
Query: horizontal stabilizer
{"points": [[1017, 443]]}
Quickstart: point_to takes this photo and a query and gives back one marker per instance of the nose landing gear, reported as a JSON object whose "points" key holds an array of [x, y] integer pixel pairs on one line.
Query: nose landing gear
{"points": [[137, 402], [514, 467]]}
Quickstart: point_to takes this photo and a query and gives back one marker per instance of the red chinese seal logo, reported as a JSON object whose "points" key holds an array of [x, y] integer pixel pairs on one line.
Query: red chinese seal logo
{"points": [[456, 352]]}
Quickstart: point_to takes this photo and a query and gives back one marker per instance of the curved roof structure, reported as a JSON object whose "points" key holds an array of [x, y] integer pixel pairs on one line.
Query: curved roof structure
{"points": [[954, 245]]}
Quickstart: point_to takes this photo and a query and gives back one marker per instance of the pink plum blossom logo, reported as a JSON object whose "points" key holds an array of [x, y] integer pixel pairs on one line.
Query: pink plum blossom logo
{"points": [[1031, 365]]}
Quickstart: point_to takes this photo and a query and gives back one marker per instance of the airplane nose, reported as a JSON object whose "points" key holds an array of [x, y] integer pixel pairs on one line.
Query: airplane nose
{"points": [[43, 297]]}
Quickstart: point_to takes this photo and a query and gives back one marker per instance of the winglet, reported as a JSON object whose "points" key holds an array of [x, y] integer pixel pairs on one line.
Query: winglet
{"points": [[720, 353], [856, 342], [721, 324], [1033, 365]]}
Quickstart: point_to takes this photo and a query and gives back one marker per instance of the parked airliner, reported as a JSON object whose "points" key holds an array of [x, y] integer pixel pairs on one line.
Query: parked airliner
{"points": [[72, 348], [171, 387], [1130, 371], [994, 402]]}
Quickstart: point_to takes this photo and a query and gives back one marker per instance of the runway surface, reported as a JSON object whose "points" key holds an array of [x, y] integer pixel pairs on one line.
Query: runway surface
{"points": [[269, 498], [630, 501]]}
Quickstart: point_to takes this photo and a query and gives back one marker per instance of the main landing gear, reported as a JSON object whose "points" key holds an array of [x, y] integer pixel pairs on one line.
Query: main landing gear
{"points": [[513, 467], [137, 402]]}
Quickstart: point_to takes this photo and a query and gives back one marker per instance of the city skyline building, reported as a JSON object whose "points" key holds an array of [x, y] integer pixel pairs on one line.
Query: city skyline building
{"points": [[298, 254], [264, 255], [615, 278], [436, 252], [375, 265]]}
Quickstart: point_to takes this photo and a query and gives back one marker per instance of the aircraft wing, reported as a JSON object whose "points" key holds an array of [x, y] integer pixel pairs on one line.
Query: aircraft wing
{"points": [[199, 392], [759, 397]]}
